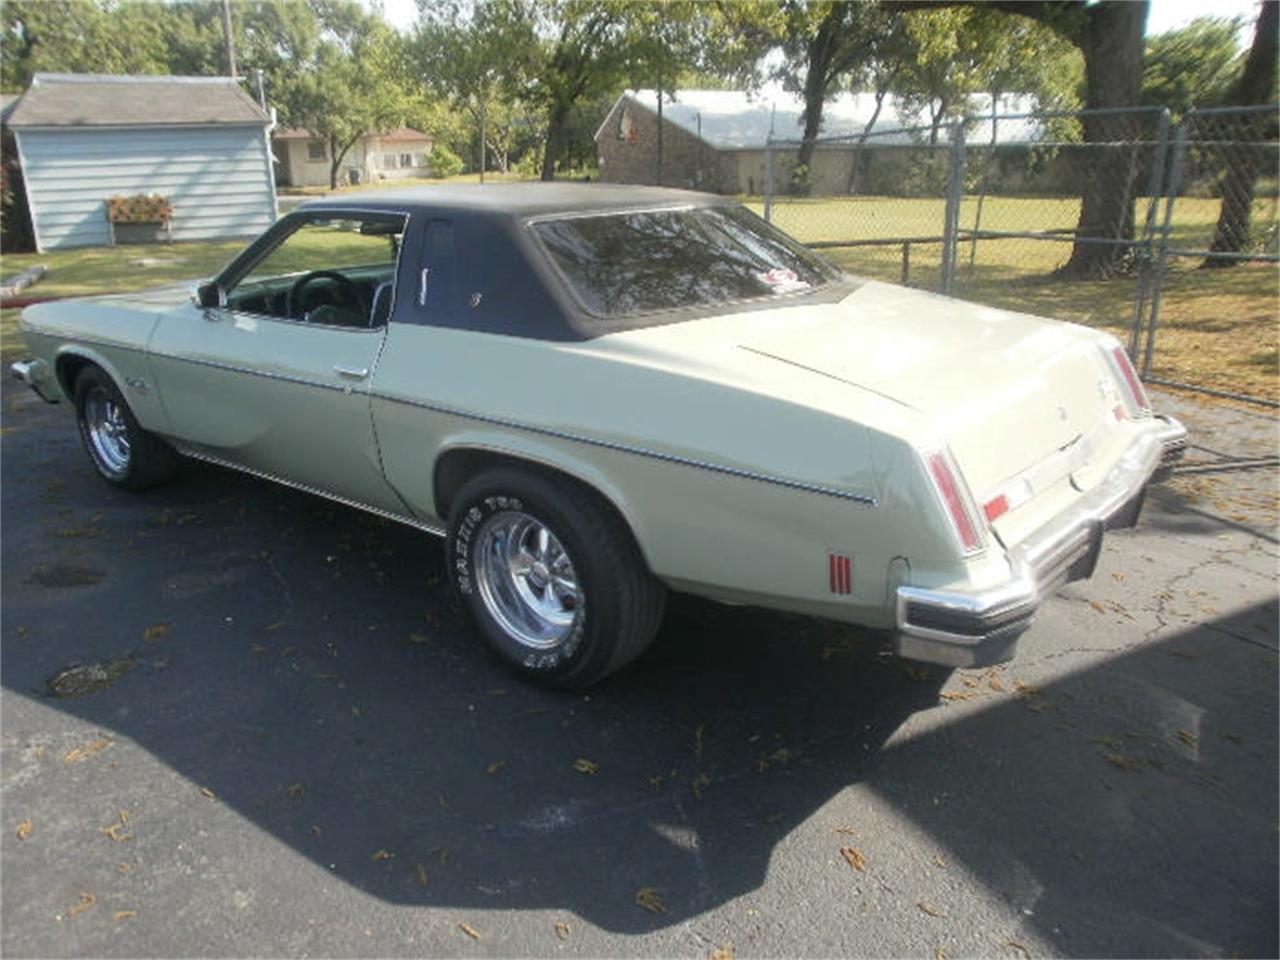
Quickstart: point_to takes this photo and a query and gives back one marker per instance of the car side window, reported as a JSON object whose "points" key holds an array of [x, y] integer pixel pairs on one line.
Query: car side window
{"points": [[332, 269]]}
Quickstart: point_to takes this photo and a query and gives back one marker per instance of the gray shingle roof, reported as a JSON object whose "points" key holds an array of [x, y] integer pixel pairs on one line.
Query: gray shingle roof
{"points": [[100, 100]]}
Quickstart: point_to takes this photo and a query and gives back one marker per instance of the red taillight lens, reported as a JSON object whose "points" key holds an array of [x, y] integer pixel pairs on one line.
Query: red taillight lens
{"points": [[996, 507], [948, 487], [1139, 405]]}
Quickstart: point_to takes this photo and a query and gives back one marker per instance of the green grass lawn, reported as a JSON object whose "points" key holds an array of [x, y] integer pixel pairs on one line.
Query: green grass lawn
{"points": [[1218, 328]]}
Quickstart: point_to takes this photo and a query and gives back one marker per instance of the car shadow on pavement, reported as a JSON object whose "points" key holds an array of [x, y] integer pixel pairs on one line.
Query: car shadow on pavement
{"points": [[305, 665]]}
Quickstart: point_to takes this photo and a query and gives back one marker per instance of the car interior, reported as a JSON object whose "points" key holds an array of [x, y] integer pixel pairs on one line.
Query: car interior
{"points": [[336, 273]]}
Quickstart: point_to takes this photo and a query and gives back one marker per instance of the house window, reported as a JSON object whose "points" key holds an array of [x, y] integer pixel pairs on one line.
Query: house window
{"points": [[315, 150], [406, 160], [388, 161]]}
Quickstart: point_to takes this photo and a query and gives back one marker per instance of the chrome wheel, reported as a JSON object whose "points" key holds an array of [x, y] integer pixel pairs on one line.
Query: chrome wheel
{"points": [[108, 431], [526, 580]]}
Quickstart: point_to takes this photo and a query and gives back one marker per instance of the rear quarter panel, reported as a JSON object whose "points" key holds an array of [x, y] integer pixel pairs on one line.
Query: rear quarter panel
{"points": [[729, 491]]}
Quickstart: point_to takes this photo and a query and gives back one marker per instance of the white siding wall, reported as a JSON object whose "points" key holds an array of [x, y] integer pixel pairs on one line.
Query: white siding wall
{"points": [[219, 179]]}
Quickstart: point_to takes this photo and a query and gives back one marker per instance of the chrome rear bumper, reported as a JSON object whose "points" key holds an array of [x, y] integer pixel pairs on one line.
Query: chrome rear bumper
{"points": [[977, 628]]}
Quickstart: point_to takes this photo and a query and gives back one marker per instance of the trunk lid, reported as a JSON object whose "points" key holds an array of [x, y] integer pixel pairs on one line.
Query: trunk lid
{"points": [[1005, 390]]}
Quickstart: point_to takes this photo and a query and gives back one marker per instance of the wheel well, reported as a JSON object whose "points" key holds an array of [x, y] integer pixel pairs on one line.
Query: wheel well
{"points": [[68, 368], [456, 467]]}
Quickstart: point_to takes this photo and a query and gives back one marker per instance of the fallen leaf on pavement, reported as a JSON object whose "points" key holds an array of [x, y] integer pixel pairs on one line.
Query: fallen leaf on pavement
{"points": [[1018, 946], [24, 829], [1187, 737], [294, 792], [156, 631], [700, 783], [205, 791], [854, 858], [495, 767], [1124, 762], [930, 910], [125, 914], [469, 930], [583, 765], [381, 855], [651, 900], [420, 874], [87, 900], [315, 829], [76, 754], [957, 695], [562, 931], [116, 832], [721, 953], [357, 712]]}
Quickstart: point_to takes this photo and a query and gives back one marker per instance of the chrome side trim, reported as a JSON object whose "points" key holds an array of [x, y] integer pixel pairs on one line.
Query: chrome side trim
{"points": [[637, 451], [430, 528]]}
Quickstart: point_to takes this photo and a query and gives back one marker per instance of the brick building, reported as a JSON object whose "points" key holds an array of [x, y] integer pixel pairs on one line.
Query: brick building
{"points": [[715, 140]]}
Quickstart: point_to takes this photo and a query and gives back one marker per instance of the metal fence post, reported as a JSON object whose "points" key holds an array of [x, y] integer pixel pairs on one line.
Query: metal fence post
{"points": [[768, 178], [951, 219], [1146, 266], [1162, 253]]}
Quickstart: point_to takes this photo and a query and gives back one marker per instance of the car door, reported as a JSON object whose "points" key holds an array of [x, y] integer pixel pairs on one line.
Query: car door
{"points": [[275, 378]]}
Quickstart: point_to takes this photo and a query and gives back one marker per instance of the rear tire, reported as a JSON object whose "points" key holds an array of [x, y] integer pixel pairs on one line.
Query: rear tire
{"points": [[124, 454], [551, 576]]}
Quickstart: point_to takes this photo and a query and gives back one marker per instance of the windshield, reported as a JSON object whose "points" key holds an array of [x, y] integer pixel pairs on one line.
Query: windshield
{"points": [[622, 264]]}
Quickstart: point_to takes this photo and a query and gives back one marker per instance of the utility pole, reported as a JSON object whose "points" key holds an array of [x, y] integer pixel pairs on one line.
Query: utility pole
{"points": [[484, 100], [231, 41]]}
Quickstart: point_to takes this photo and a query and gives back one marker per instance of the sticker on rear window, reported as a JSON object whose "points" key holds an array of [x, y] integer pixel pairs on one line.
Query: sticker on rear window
{"points": [[782, 280]]}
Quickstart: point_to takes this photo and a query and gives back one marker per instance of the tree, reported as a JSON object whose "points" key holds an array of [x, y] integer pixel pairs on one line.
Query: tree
{"points": [[1257, 85], [1194, 66], [354, 86], [463, 52], [824, 40], [1108, 34]]}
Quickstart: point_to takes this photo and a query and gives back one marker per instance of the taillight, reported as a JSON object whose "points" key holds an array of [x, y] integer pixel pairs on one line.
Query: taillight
{"points": [[1135, 396], [955, 499]]}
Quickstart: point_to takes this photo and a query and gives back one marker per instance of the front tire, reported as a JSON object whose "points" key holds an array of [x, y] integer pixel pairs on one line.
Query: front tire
{"points": [[125, 455], [551, 576]]}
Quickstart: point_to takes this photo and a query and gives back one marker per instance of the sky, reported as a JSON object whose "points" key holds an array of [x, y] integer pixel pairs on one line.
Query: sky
{"points": [[1164, 14]]}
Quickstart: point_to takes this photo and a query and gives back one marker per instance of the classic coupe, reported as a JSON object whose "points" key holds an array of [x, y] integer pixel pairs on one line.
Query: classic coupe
{"points": [[595, 394]]}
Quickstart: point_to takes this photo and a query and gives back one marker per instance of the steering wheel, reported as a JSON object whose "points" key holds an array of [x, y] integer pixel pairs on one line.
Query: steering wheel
{"points": [[347, 291]]}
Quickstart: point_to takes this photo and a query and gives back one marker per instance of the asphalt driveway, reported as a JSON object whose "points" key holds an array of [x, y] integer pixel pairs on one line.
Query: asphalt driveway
{"points": [[296, 747]]}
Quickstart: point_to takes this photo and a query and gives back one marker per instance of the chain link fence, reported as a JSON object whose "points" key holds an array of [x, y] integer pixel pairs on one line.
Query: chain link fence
{"points": [[1111, 218]]}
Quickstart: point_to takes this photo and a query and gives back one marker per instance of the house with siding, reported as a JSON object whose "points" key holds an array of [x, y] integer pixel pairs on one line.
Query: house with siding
{"points": [[715, 140], [305, 160], [201, 142]]}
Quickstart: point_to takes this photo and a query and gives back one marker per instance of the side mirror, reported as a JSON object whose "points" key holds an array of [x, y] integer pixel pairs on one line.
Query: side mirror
{"points": [[209, 295]]}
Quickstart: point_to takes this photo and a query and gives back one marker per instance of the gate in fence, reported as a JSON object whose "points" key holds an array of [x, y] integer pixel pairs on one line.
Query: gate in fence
{"points": [[1167, 234]]}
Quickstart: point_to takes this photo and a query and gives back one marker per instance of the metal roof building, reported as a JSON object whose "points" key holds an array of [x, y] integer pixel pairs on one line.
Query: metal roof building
{"points": [[202, 142]]}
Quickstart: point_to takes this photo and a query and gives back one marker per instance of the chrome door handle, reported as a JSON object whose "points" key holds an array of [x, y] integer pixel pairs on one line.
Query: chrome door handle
{"points": [[351, 373]]}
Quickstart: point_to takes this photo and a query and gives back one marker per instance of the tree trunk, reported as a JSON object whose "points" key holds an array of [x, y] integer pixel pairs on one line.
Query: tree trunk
{"points": [[857, 163], [1246, 161], [817, 78], [336, 164], [555, 131], [1112, 44]]}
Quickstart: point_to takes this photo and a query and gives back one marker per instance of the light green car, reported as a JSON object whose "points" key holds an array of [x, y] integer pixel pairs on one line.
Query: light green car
{"points": [[598, 393]]}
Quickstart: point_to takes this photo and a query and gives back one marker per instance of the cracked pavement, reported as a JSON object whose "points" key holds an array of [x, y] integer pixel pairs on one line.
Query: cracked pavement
{"points": [[301, 750]]}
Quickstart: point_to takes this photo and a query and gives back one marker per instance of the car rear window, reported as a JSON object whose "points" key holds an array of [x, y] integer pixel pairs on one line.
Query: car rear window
{"points": [[622, 264]]}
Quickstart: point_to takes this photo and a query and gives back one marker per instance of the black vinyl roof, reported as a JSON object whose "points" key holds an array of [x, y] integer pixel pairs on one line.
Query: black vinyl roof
{"points": [[519, 200]]}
